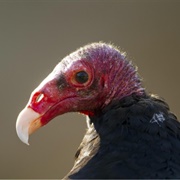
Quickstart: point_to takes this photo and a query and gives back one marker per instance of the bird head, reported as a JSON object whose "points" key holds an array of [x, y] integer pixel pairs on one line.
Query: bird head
{"points": [[85, 81]]}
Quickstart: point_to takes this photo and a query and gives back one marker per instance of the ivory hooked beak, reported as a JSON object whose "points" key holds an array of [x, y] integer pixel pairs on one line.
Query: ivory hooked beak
{"points": [[27, 122]]}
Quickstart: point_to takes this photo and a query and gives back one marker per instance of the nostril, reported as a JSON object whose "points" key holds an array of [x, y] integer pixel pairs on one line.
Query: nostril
{"points": [[39, 98]]}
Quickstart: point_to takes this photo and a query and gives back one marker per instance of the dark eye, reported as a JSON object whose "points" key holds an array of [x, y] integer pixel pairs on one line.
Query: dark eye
{"points": [[81, 77]]}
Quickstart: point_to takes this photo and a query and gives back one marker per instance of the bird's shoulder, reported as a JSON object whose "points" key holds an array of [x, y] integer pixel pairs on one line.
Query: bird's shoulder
{"points": [[148, 113], [148, 132], [136, 137]]}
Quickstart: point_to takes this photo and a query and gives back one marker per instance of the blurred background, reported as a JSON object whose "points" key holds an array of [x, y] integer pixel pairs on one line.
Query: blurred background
{"points": [[36, 35]]}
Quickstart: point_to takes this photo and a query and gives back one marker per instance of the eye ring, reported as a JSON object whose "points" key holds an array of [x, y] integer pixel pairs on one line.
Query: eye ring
{"points": [[81, 77]]}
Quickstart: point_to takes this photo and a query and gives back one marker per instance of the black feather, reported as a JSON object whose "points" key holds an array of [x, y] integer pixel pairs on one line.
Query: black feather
{"points": [[125, 141]]}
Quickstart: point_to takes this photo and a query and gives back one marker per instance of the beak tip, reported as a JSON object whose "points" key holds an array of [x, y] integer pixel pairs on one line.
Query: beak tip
{"points": [[23, 124], [22, 133]]}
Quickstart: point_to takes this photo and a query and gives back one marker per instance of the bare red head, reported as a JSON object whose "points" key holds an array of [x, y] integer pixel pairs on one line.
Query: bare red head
{"points": [[85, 81]]}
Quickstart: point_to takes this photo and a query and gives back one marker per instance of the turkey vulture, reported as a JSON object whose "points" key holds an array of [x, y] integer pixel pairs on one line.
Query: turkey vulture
{"points": [[130, 134]]}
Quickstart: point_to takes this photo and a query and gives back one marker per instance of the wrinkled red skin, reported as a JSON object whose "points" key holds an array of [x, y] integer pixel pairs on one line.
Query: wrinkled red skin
{"points": [[111, 77], [57, 100]]}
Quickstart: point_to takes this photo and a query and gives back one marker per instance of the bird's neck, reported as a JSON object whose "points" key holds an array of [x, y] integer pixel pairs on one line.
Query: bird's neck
{"points": [[112, 118], [122, 82]]}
